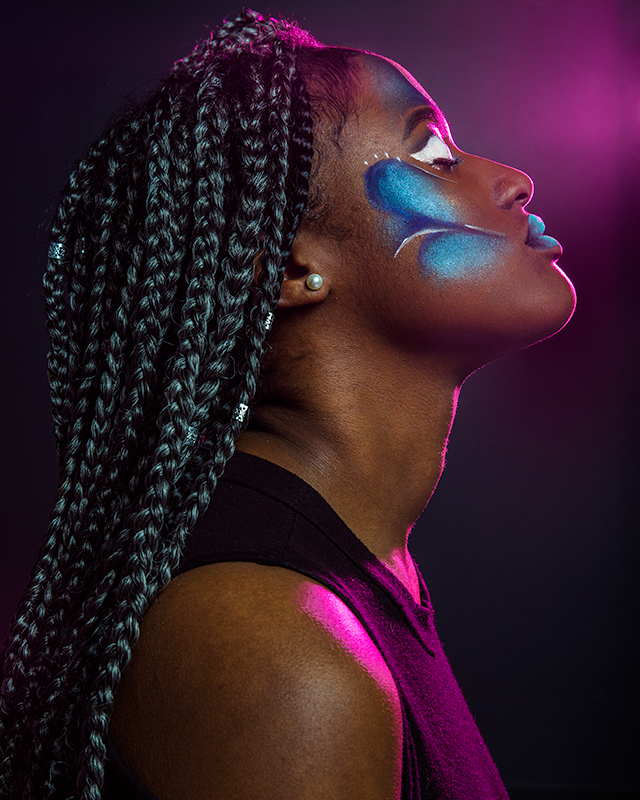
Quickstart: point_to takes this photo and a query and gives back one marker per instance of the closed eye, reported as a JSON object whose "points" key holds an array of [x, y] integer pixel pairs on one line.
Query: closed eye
{"points": [[436, 153]]}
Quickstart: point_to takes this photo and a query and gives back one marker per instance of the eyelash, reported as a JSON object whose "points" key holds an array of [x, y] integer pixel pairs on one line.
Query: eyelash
{"points": [[440, 162], [447, 163]]}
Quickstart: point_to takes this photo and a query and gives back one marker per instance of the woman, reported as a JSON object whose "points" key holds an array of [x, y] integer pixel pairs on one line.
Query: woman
{"points": [[281, 209]]}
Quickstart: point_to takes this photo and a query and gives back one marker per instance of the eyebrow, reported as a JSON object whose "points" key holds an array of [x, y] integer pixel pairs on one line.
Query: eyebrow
{"points": [[422, 114]]}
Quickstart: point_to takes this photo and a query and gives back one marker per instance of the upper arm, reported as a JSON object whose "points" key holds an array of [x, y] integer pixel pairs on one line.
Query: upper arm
{"points": [[252, 681]]}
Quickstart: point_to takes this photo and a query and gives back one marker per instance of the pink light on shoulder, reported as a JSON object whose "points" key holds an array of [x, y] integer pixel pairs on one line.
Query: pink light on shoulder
{"points": [[345, 629]]}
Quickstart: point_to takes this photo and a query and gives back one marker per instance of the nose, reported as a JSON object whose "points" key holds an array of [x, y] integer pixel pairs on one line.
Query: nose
{"points": [[511, 188]]}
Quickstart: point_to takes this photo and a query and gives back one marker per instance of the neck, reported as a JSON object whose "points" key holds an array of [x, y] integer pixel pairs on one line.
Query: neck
{"points": [[373, 449]]}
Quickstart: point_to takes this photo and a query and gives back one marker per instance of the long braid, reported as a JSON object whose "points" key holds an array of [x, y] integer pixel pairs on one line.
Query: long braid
{"points": [[58, 549], [20, 654], [165, 250], [157, 331], [197, 313], [133, 595]]}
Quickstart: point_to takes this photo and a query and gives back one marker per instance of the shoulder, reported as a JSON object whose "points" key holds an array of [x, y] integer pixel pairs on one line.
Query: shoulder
{"points": [[247, 678]]}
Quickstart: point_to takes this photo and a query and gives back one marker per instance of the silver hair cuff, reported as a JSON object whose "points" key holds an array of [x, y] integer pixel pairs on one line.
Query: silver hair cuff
{"points": [[57, 251], [268, 321], [192, 435], [240, 412]]}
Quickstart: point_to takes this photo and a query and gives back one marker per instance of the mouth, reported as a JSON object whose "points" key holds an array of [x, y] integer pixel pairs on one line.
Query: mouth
{"points": [[536, 239]]}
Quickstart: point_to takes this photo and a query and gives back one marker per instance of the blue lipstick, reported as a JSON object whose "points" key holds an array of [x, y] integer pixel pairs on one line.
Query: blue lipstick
{"points": [[535, 237]]}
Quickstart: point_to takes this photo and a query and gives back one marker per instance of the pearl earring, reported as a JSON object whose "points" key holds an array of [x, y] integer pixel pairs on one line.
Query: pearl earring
{"points": [[314, 282]]}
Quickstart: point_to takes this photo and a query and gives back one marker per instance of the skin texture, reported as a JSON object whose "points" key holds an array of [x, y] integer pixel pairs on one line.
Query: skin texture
{"points": [[255, 682], [252, 681]]}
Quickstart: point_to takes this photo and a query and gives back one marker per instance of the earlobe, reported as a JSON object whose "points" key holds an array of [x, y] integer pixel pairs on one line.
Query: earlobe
{"points": [[304, 282], [302, 290]]}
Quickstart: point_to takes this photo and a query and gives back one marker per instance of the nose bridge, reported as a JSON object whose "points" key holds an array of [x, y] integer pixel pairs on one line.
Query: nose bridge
{"points": [[510, 187]]}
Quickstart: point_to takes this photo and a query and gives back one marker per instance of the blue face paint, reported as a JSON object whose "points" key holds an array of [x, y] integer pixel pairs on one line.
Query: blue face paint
{"points": [[416, 206]]}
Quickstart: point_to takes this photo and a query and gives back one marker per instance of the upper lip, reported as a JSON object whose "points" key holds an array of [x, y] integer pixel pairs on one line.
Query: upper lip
{"points": [[535, 228], [535, 234]]}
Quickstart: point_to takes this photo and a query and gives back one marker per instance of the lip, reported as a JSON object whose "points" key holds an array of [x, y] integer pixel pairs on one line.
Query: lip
{"points": [[535, 238]]}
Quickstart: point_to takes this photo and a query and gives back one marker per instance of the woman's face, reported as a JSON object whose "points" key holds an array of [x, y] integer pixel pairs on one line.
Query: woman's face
{"points": [[440, 240]]}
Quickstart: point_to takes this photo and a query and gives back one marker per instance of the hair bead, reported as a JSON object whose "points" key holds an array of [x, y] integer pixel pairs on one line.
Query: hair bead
{"points": [[240, 413], [57, 251], [192, 435]]}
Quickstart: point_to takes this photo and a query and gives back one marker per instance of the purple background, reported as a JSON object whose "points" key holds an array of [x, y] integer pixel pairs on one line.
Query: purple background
{"points": [[530, 544]]}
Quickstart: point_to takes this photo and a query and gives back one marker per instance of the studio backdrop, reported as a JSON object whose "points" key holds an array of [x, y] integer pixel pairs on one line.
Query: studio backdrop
{"points": [[530, 544]]}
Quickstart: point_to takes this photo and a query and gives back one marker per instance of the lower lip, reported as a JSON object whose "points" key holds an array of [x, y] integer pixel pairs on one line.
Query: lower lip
{"points": [[545, 243]]}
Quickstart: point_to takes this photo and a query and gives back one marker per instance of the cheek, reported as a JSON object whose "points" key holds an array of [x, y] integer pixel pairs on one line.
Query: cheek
{"points": [[410, 196], [458, 255], [415, 206]]}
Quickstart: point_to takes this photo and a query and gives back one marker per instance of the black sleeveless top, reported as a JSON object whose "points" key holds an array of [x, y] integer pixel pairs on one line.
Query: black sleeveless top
{"points": [[264, 514]]}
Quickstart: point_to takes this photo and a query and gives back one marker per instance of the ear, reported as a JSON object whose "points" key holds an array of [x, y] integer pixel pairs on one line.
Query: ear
{"points": [[308, 256]]}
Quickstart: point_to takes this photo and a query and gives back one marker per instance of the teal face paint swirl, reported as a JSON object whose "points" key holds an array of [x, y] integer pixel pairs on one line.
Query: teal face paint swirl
{"points": [[416, 206]]}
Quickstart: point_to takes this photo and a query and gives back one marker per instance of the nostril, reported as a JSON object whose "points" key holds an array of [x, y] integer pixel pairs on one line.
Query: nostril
{"points": [[513, 188]]}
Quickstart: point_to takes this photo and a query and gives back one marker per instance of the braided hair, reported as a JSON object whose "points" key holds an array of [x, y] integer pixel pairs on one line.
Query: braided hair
{"points": [[157, 324]]}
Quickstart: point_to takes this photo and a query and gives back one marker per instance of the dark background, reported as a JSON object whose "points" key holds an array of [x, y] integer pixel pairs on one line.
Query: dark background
{"points": [[530, 544]]}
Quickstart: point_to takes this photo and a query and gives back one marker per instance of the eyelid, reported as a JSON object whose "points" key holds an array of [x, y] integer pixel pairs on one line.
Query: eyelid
{"points": [[433, 150]]}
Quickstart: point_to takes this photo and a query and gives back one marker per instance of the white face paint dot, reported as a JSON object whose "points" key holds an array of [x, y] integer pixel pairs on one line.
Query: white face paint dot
{"points": [[367, 163]]}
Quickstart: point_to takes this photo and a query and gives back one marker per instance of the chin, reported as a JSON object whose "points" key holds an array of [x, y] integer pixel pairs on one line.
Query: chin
{"points": [[557, 309], [539, 315]]}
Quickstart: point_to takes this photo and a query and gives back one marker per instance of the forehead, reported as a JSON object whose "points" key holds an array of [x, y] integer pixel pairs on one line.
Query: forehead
{"points": [[394, 91]]}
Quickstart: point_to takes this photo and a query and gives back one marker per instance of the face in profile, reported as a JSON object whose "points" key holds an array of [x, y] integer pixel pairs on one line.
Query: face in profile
{"points": [[445, 233]]}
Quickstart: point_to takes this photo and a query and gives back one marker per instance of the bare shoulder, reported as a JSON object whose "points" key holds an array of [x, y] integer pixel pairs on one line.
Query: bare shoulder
{"points": [[251, 681]]}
